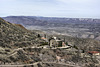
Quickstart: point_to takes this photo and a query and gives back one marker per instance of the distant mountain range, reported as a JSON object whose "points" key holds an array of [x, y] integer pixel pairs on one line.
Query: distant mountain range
{"points": [[48, 21]]}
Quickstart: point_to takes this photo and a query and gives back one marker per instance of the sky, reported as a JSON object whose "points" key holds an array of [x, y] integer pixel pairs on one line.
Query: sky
{"points": [[51, 8]]}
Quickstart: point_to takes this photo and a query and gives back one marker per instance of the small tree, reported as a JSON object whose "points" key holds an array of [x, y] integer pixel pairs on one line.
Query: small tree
{"points": [[39, 35]]}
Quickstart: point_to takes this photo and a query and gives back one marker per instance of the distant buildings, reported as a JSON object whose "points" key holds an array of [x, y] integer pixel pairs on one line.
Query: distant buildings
{"points": [[55, 42]]}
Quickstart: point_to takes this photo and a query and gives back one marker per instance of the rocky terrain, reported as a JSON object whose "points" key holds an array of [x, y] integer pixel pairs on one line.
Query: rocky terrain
{"points": [[22, 47]]}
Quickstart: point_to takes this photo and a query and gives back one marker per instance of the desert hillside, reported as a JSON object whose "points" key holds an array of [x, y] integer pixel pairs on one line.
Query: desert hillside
{"points": [[22, 47]]}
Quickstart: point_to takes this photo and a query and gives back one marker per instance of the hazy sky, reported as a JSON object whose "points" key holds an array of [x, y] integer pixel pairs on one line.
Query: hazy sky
{"points": [[51, 8]]}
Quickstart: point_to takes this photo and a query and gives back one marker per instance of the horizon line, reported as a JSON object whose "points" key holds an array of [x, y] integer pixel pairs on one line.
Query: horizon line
{"points": [[52, 16]]}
